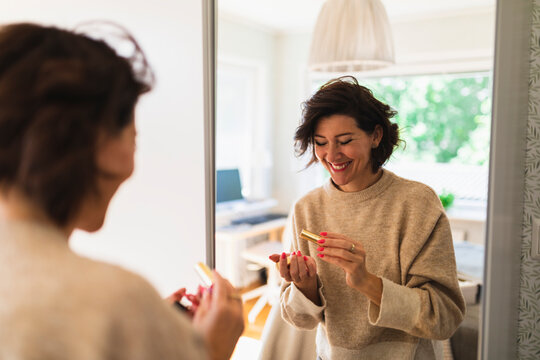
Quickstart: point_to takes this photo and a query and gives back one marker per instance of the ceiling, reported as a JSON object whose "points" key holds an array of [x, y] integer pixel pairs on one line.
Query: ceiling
{"points": [[300, 15]]}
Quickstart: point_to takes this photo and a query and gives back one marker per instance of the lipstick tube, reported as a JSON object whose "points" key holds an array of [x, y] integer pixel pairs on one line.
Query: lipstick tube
{"points": [[204, 273], [309, 236]]}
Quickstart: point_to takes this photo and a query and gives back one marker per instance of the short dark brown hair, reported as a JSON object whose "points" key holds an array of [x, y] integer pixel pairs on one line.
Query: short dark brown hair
{"points": [[58, 90], [344, 96]]}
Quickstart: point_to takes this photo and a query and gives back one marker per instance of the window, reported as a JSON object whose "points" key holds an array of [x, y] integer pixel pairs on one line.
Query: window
{"points": [[444, 120], [240, 119]]}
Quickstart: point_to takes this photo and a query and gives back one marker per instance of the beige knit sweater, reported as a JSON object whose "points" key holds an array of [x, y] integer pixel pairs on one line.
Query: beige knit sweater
{"points": [[57, 305], [406, 235]]}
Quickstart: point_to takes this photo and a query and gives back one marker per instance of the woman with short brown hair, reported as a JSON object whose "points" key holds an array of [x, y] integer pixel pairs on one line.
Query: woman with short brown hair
{"points": [[381, 283]]}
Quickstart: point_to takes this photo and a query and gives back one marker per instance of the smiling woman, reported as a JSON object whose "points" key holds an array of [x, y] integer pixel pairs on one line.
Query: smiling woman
{"points": [[345, 151], [381, 282]]}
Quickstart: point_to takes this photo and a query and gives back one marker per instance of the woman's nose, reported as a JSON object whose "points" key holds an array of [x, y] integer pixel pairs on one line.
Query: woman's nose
{"points": [[333, 152]]}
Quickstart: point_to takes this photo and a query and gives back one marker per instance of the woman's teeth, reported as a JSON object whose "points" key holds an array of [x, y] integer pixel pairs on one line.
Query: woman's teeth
{"points": [[340, 166]]}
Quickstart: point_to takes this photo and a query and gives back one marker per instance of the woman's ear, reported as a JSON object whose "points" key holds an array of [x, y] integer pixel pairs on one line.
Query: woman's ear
{"points": [[376, 136], [115, 154]]}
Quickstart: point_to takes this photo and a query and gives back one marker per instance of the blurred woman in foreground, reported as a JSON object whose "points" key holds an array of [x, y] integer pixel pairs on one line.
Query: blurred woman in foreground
{"points": [[67, 142]]}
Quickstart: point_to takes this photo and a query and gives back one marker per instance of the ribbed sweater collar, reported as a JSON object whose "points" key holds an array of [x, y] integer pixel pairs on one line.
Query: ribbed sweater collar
{"points": [[374, 190]]}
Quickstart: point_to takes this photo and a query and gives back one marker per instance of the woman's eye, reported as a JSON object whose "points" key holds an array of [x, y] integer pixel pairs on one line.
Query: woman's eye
{"points": [[319, 143], [345, 142]]}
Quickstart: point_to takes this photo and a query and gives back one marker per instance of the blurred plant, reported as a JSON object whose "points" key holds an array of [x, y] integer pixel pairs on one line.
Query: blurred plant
{"points": [[447, 199], [442, 118]]}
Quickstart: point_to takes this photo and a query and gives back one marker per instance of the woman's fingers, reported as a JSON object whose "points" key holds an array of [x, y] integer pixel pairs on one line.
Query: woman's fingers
{"points": [[274, 257], [284, 268], [327, 234], [297, 268], [311, 266], [335, 240], [220, 318], [345, 254], [176, 296]]}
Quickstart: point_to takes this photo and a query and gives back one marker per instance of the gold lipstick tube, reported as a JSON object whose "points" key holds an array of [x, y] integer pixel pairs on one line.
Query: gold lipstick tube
{"points": [[309, 236], [204, 273]]}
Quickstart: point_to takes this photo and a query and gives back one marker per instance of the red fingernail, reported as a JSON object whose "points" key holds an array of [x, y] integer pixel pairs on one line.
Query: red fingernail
{"points": [[283, 256], [320, 255], [298, 253], [324, 233], [305, 258], [320, 248], [321, 241], [294, 253]]}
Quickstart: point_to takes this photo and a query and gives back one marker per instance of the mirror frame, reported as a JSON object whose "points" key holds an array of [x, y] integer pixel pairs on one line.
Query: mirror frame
{"points": [[209, 78], [500, 304], [500, 301]]}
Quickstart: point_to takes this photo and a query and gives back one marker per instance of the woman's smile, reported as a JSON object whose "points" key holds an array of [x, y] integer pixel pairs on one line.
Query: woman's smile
{"points": [[338, 167], [345, 151]]}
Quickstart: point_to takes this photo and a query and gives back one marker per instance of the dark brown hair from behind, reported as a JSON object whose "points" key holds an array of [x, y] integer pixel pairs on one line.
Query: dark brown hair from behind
{"points": [[344, 96], [58, 90]]}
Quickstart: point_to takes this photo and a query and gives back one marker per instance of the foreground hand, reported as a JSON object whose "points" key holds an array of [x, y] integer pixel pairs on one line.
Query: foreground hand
{"points": [[220, 318], [350, 255], [302, 271], [195, 299]]}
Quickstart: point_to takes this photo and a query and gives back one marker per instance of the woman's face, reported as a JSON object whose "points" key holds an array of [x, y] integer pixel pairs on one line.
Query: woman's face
{"points": [[115, 162], [345, 151]]}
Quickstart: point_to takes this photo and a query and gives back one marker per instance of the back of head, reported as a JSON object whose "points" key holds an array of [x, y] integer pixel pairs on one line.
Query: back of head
{"points": [[58, 91]]}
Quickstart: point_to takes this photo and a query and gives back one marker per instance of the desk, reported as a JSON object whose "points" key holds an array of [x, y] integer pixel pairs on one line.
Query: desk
{"points": [[232, 240]]}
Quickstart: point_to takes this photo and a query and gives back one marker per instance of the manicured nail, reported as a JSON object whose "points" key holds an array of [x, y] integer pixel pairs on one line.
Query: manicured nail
{"points": [[321, 241], [283, 256], [305, 258], [320, 248], [294, 253], [324, 233], [298, 253], [320, 255]]}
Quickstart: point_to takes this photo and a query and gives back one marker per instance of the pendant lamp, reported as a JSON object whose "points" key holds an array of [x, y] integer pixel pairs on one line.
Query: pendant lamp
{"points": [[351, 36]]}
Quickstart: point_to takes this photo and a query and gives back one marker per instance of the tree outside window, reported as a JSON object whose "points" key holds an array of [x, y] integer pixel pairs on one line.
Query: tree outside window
{"points": [[444, 120]]}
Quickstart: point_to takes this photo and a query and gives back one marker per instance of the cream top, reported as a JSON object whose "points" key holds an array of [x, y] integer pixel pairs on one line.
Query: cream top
{"points": [[408, 242], [58, 305]]}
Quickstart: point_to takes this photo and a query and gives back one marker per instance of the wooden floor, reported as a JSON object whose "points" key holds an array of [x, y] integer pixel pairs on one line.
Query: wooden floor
{"points": [[255, 329]]}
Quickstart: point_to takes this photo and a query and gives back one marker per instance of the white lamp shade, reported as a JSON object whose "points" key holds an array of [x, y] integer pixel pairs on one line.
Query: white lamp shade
{"points": [[351, 36]]}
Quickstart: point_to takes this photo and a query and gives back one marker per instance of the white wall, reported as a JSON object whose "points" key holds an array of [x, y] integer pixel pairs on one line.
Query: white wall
{"points": [[156, 223]]}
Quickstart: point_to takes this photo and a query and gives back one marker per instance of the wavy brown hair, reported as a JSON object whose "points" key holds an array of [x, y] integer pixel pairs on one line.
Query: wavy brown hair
{"points": [[344, 96], [58, 90]]}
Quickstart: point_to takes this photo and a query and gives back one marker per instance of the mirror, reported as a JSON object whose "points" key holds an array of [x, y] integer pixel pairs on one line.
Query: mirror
{"points": [[442, 49]]}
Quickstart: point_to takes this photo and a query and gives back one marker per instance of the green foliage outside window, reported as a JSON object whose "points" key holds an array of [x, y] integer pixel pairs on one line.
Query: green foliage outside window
{"points": [[443, 118]]}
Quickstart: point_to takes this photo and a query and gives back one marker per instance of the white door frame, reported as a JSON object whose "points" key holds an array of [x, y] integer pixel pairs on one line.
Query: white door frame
{"points": [[498, 338]]}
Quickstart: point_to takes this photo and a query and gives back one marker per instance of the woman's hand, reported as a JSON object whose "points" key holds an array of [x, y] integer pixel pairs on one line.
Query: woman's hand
{"points": [[220, 318], [302, 271], [176, 296], [195, 299], [350, 255]]}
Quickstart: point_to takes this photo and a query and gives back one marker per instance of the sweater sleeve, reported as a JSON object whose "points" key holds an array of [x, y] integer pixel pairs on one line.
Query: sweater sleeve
{"points": [[298, 310], [429, 303]]}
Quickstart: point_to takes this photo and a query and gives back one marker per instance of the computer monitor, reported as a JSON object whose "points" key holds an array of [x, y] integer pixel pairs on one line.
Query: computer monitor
{"points": [[228, 185]]}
